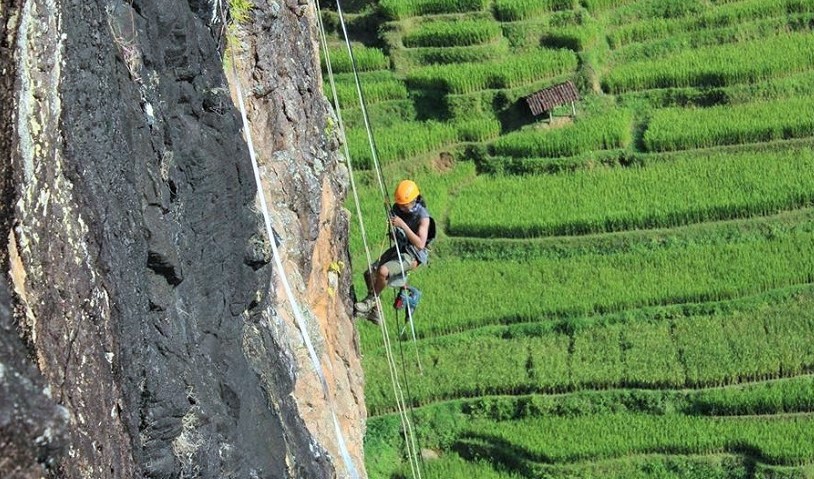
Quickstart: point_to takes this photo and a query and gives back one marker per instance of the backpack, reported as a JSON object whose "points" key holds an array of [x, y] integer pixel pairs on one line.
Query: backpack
{"points": [[431, 231]]}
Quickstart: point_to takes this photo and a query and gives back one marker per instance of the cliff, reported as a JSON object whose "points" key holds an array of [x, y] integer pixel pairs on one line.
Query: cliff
{"points": [[146, 334]]}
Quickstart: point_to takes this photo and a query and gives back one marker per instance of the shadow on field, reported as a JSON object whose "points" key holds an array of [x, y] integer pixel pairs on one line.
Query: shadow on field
{"points": [[513, 114], [430, 105], [503, 454]]}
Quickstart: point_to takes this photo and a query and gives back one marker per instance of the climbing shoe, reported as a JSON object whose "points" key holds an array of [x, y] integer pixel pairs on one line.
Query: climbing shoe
{"points": [[373, 316], [366, 305]]}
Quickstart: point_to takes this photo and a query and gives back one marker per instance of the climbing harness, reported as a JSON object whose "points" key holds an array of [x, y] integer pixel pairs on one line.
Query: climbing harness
{"points": [[413, 453]]}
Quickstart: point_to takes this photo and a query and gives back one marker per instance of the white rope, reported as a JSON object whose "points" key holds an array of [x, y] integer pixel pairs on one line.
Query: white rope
{"points": [[412, 330], [410, 441], [301, 325], [375, 158], [371, 141]]}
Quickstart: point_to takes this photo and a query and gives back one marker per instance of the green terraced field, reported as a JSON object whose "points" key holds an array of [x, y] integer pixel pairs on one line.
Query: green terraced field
{"points": [[627, 292]]}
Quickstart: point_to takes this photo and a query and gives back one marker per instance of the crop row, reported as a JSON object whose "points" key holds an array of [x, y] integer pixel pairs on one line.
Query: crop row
{"points": [[642, 241], [723, 16], [578, 32], [577, 38], [695, 351], [678, 128], [688, 190], [780, 440], [391, 142], [782, 396], [400, 9], [381, 114], [447, 427], [739, 33], [366, 58], [526, 34], [516, 10], [376, 87], [612, 130], [601, 5], [509, 73], [717, 66], [478, 129], [465, 294], [508, 165], [788, 88], [450, 34], [446, 55], [424, 137], [772, 397], [647, 9], [451, 465]]}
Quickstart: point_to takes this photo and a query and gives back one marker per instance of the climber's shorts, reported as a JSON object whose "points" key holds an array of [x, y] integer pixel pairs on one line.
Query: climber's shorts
{"points": [[390, 259]]}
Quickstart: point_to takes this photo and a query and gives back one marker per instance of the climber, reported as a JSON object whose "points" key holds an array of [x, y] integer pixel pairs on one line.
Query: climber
{"points": [[414, 229]]}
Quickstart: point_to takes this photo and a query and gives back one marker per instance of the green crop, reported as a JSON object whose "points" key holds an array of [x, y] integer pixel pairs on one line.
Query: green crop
{"points": [[625, 293], [449, 34], [400, 9], [515, 10], [696, 351], [391, 145], [735, 14], [376, 87], [679, 129], [687, 190], [367, 59], [602, 132], [594, 284], [717, 65], [509, 73], [446, 55], [781, 440]]}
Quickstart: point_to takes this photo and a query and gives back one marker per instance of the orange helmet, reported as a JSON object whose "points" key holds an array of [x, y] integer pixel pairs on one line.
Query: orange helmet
{"points": [[406, 192]]}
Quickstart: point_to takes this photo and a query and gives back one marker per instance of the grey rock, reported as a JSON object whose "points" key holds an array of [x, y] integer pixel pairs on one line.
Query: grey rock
{"points": [[137, 232]]}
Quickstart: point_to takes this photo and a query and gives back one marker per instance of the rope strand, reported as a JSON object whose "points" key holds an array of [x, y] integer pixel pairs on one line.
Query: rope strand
{"points": [[409, 434], [301, 325]]}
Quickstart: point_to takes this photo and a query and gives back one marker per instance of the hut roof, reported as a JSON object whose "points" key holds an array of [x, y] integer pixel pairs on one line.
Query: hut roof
{"points": [[548, 98]]}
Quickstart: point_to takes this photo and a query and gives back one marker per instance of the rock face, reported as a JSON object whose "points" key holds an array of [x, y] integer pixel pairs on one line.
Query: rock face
{"points": [[138, 260], [278, 68], [32, 426]]}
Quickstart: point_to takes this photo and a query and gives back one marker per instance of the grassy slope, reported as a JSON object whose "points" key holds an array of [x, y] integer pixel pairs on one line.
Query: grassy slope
{"points": [[676, 287]]}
